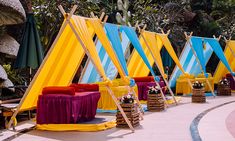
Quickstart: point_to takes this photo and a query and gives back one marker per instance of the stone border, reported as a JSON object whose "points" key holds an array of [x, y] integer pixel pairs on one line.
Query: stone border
{"points": [[194, 124]]}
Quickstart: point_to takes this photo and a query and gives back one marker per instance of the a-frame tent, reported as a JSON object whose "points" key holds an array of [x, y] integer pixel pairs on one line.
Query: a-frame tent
{"points": [[151, 40], [229, 53], [197, 46], [130, 32], [82, 30], [160, 41], [189, 63], [112, 52]]}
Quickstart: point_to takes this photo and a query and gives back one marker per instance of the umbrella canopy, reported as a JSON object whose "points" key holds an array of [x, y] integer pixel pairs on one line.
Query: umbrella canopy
{"points": [[3, 74], [9, 45], [31, 52], [12, 12], [7, 83]]}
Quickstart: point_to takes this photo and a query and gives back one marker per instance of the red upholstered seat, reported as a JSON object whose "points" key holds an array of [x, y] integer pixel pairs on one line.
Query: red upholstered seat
{"points": [[144, 79], [85, 87], [58, 90]]}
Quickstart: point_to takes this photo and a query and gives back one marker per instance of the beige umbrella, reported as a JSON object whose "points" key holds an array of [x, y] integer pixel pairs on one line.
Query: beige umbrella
{"points": [[3, 74], [9, 46], [11, 12], [7, 83]]}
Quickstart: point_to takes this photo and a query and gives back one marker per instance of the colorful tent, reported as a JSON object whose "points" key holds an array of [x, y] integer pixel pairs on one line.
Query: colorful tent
{"points": [[151, 41], [229, 53], [90, 74], [141, 58], [61, 63], [154, 40], [189, 63], [197, 47]]}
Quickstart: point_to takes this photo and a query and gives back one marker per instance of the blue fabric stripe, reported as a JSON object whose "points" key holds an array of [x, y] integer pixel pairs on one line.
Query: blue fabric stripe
{"points": [[197, 45], [113, 35], [219, 52], [91, 75], [130, 32], [94, 74], [187, 55]]}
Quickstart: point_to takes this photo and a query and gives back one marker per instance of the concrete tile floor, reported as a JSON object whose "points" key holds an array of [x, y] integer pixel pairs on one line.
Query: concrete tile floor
{"points": [[170, 125]]}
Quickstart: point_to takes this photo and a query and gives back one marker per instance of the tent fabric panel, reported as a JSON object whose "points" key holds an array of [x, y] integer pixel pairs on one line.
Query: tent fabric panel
{"points": [[86, 37], [53, 62], [197, 45], [219, 52], [109, 67], [134, 40], [187, 58], [221, 70], [136, 66], [113, 34], [170, 50], [106, 44], [151, 40]]}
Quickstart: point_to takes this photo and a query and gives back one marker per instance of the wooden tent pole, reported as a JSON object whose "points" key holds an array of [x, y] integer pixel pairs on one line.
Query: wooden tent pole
{"points": [[207, 81], [108, 88], [162, 73], [40, 68]]}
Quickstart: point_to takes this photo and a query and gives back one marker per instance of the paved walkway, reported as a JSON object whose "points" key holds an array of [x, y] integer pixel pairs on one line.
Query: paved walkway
{"points": [[170, 125]]}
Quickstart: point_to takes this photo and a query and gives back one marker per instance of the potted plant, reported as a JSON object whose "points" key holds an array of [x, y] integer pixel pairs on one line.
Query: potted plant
{"points": [[223, 88], [224, 82], [155, 101], [198, 95], [154, 90], [198, 85], [127, 99], [130, 108]]}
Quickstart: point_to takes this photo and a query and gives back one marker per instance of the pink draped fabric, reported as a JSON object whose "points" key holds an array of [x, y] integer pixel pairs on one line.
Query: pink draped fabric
{"points": [[66, 109]]}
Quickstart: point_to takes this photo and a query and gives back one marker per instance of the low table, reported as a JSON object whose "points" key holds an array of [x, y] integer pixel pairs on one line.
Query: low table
{"points": [[67, 109]]}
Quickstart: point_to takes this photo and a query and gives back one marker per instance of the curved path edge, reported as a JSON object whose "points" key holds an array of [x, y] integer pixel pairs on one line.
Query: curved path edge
{"points": [[194, 124]]}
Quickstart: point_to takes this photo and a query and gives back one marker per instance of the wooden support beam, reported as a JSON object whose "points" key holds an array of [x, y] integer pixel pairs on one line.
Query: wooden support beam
{"points": [[162, 31], [168, 32], [136, 24], [145, 26], [92, 14], [129, 24], [102, 16], [106, 18]]}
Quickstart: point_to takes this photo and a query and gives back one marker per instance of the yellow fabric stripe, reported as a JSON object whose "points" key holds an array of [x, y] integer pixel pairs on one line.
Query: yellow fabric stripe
{"points": [[77, 127], [86, 37], [221, 70], [136, 66], [154, 48], [98, 28], [170, 50]]}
